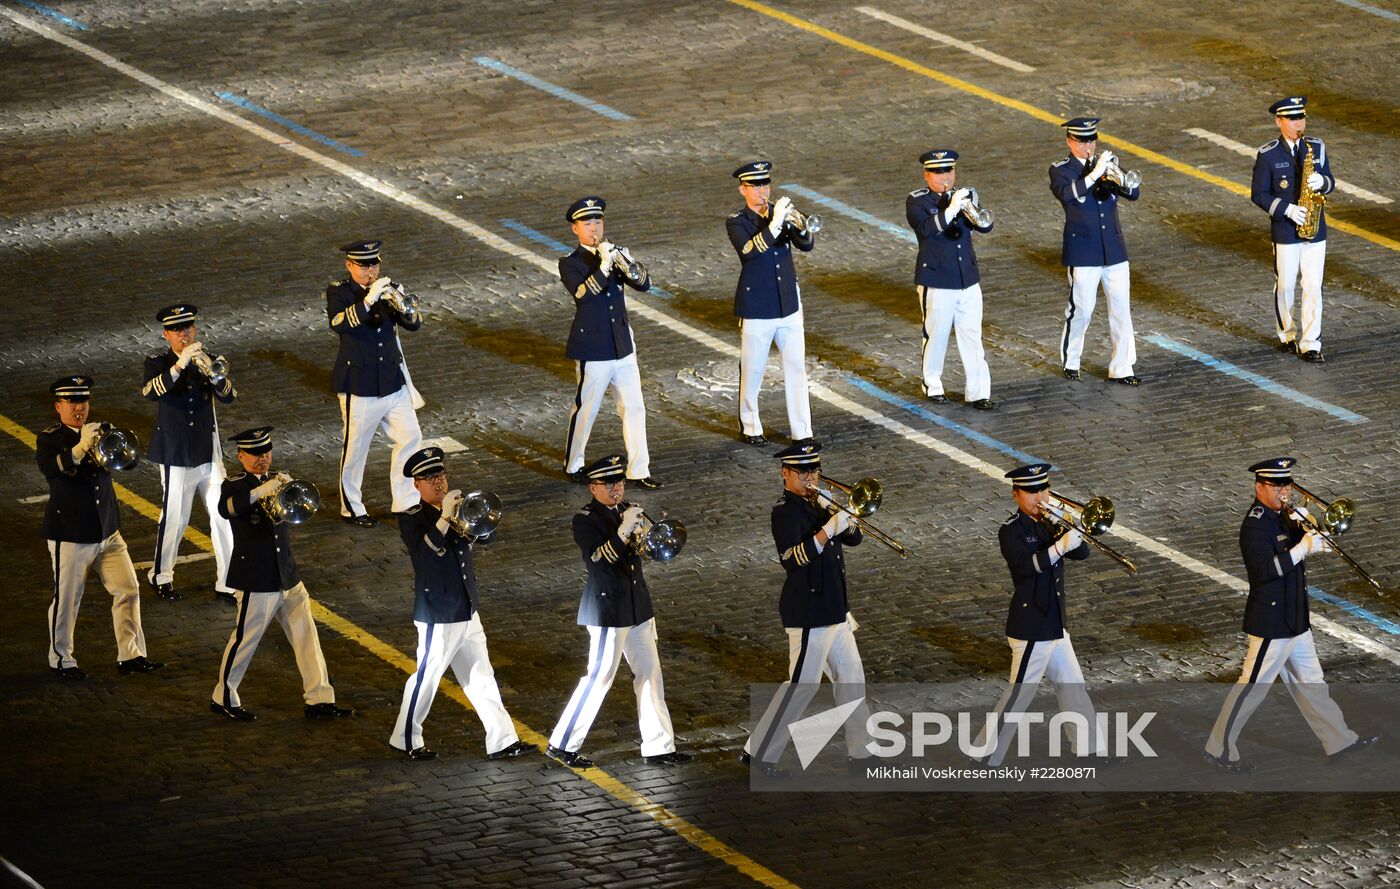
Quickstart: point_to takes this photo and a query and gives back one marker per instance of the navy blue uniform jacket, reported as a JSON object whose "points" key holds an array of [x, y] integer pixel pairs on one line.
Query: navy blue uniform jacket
{"points": [[1037, 609], [82, 506], [814, 593], [369, 360], [1092, 235], [767, 280], [1277, 607], [184, 431], [946, 258], [601, 331], [616, 593], [262, 551], [444, 578], [1278, 177]]}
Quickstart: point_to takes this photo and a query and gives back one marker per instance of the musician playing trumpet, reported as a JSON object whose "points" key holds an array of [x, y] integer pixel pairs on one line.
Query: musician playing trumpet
{"points": [[947, 278], [185, 446]]}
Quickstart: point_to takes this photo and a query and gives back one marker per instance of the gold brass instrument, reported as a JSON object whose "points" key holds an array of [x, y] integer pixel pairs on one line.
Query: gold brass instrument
{"points": [[862, 500], [294, 503], [660, 541], [808, 224], [1336, 519], [479, 515], [1311, 201], [975, 213], [401, 301], [1089, 519], [216, 368], [115, 450]]}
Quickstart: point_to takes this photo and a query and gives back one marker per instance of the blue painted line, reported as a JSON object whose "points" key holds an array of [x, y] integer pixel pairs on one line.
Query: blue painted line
{"points": [[919, 410], [290, 124], [1371, 617], [561, 247], [845, 209], [553, 89], [1262, 382], [54, 14], [1365, 7]]}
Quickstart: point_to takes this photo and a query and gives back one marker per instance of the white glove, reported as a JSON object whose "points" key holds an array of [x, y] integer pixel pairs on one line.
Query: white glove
{"points": [[87, 436], [1301, 515], [1311, 544], [631, 517], [269, 487], [451, 502], [607, 254], [1315, 181], [377, 289], [1069, 542], [1298, 214], [956, 202], [837, 525], [780, 210], [1100, 165], [186, 356]]}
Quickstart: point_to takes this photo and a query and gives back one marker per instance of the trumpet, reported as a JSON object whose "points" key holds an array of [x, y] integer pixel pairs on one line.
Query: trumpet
{"points": [[659, 541], [1089, 519], [863, 499], [632, 268], [1336, 520], [216, 368], [806, 224], [115, 450], [401, 301], [974, 211], [478, 517], [294, 503], [1115, 174]]}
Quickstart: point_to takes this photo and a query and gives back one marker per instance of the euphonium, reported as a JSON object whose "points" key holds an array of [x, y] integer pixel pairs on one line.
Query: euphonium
{"points": [[1309, 200]]}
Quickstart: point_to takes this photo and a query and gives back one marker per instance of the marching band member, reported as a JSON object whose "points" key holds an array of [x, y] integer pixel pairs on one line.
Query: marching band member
{"points": [[600, 341], [815, 612], [616, 609], [82, 528], [447, 617], [1277, 181], [371, 378], [947, 278], [185, 444], [768, 301], [1093, 250], [1274, 544], [1035, 622], [264, 572]]}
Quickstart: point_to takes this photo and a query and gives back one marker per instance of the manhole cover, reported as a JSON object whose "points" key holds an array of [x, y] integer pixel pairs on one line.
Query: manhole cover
{"points": [[1144, 90]]}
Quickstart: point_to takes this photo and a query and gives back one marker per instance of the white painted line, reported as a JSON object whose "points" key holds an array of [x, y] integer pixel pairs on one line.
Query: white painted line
{"points": [[656, 316], [963, 45], [448, 444], [37, 498], [1251, 151], [179, 560], [1373, 10]]}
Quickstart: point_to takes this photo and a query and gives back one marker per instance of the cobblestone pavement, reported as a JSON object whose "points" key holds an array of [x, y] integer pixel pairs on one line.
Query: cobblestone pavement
{"points": [[116, 199]]}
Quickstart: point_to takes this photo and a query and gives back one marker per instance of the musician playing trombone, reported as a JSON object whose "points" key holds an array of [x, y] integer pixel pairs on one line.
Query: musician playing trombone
{"points": [[446, 615], [1275, 539], [811, 536], [264, 572], [185, 446], [947, 278], [1035, 553]]}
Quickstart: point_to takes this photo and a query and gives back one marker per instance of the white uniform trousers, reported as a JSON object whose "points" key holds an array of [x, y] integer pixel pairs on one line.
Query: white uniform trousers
{"points": [[1295, 659], [594, 377], [181, 484], [71, 562], [606, 647], [360, 416], [1083, 291], [812, 653], [1055, 660], [256, 611], [757, 336], [959, 311], [461, 646], [1290, 260]]}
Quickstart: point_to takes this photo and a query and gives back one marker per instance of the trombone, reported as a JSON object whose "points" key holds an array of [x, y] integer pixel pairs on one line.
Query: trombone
{"points": [[659, 541], [1336, 519], [807, 224], [862, 499], [1089, 519]]}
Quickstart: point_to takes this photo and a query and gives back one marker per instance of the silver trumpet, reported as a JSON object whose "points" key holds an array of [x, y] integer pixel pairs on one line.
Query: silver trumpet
{"points": [[632, 268], [478, 517], [806, 224], [975, 212], [1115, 174], [294, 503], [216, 368], [115, 450], [402, 301], [660, 541]]}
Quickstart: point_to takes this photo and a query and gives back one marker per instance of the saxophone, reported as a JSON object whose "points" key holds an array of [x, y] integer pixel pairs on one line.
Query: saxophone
{"points": [[1310, 200]]}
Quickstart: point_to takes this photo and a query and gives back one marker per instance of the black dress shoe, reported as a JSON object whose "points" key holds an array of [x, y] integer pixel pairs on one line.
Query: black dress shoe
{"points": [[940, 398], [1357, 745], [1129, 380], [569, 758], [649, 483], [225, 596], [167, 591], [70, 673], [1314, 356], [1290, 347], [1071, 374], [138, 665], [766, 769], [237, 713], [983, 404], [674, 758], [759, 439], [519, 748], [1236, 767], [363, 521], [421, 754], [578, 477], [327, 710]]}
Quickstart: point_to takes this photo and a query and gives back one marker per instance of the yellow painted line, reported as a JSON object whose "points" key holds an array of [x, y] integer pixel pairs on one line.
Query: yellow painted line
{"points": [[1038, 113], [696, 836]]}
